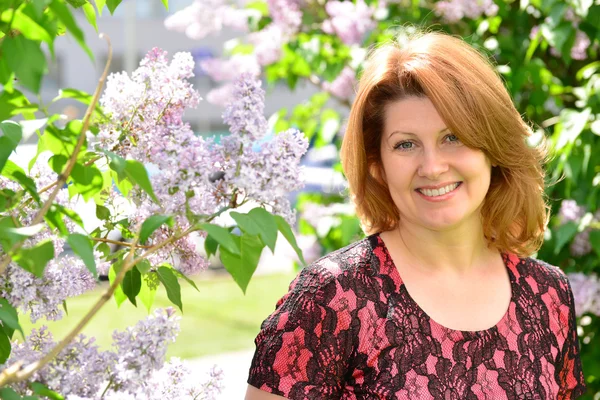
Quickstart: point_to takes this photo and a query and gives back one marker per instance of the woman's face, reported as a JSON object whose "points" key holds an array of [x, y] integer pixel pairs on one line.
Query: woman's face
{"points": [[436, 182]]}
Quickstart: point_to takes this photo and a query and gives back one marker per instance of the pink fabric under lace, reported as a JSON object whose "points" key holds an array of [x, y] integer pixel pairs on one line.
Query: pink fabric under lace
{"points": [[348, 329]]}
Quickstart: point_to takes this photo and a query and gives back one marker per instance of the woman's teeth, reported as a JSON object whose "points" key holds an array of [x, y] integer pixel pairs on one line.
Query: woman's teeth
{"points": [[440, 191]]}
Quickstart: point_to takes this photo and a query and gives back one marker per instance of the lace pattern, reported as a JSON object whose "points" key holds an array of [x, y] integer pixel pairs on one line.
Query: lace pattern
{"points": [[348, 329]]}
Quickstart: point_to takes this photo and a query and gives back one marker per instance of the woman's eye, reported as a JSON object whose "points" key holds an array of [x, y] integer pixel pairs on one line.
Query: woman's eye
{"points": [[452, 138], [403, 146]]}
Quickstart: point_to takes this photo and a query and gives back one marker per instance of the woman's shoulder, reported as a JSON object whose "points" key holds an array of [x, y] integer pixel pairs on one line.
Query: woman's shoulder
{"points": [[339, 265], [542, 272]]}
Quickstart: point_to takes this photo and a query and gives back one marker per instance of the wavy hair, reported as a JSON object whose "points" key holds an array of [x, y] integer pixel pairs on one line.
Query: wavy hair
{"points": [[471, 98]]}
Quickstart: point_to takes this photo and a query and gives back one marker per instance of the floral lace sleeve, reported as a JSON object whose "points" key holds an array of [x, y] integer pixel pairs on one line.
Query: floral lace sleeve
{"points": [[570, 375], [303, 348]]}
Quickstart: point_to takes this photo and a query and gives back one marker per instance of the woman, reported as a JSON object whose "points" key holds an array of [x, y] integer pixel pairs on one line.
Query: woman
{"points": [[441, 300]]}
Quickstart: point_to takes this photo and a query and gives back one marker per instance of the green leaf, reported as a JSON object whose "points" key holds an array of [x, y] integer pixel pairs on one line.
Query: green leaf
{"points": [[10, 234], [136, 172], [27, 26], [55, 220], [81, 96], [83, 247], [64, 15], [222, 236], [77, 3], [210, 246], [153, 223], [5, 349], [100, 6], [26, 59], [117, 164], [285, 229], [8, 393], [564, 234], [188, 280], [112, 5], [87, 181], [15, 173], [148, 290], [43, 390], [242, 266], [90, 14], [595, 240], [258, 222], [102, 213], [10, 318], [132, 283], [166, 4], [12, 134], [36, 258], [13, 102], [120, 297], [350, 228], [171, 284], [143, 266]]}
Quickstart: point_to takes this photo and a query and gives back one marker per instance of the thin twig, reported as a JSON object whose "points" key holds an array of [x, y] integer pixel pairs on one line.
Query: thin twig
{"points": [[124, 244]]}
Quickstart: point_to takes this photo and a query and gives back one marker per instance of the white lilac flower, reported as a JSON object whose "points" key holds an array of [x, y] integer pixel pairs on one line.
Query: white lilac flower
{"points": [[205, 17], [343, 86], [586, 292], [455, 10], [349, 21]]}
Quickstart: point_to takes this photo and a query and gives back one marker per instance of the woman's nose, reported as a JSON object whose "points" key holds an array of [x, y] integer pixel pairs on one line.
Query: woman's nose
{"points": [[432, 164]]}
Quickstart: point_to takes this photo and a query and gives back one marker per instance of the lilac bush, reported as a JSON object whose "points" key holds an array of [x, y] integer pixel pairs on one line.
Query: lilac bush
{"points": [[196, 180]]}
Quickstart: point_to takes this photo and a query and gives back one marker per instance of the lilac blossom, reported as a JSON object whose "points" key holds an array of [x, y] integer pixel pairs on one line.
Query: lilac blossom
{"points": [[177, 381], [141, 349], [205, 17], [586, 292], [580, 47], [455, 10], [343, 86], [221, 95], [134, 368], [229, 69], [286, 14], [245, 115], [570, 211], [349, 21], [268, 43], [63, 278]]}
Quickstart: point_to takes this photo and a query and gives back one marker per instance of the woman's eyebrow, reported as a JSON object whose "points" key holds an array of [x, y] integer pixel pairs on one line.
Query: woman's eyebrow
{"points": [[414, 134]]}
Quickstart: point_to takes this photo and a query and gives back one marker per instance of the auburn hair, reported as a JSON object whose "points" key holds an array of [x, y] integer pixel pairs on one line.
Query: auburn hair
{"points": [[471, 98]]}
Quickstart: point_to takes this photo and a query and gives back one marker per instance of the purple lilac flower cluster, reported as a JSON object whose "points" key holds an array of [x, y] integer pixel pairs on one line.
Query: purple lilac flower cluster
{"points": [[146, 124], [455, 10], [135, 369], [348, 20], [262, 170], [65, 276], [343, 86], [586, 291], [570, 211], [204, 17]]}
